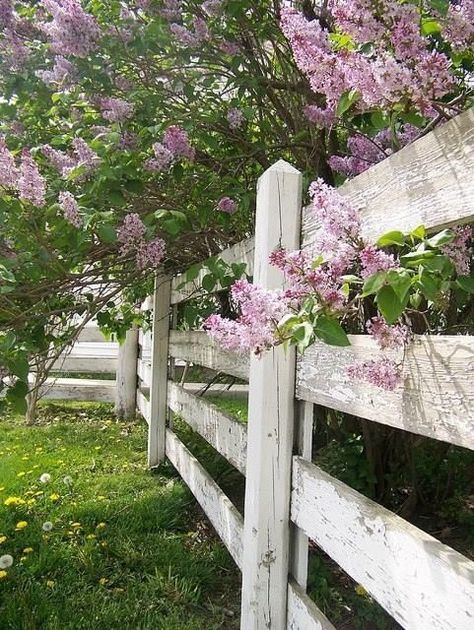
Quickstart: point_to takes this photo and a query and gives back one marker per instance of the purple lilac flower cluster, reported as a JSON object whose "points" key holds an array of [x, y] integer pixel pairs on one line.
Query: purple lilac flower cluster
{"points": [[81, 156], [364, 151], [72, 31], [116, 109], [460, 249], [227, 205], [131, 236], [235, 118], [403, 68], [254, 330], [175, 146], [26, 179], [63, 73], [70, 208]]}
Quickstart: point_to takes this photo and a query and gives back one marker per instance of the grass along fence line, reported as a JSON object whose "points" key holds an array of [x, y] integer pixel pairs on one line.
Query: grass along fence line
{"points": [[126, 547]]}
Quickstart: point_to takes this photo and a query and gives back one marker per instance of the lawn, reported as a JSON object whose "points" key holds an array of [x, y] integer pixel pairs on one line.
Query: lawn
{"points": [[122, 546]]}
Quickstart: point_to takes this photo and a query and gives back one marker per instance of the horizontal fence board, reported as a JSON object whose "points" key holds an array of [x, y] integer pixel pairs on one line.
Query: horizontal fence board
{"points": [[428, 182], [222, 513], [144, 372], [91, 334], [242, 252], [303, 614], [98, 365], [198, 347], [78, 389], [143, 405], [421, 582], [224, 433], [435, 399]]}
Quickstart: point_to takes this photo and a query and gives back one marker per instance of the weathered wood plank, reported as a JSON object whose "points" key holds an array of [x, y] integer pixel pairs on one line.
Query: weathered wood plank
{"points": [[303, 614], [426, 183], [304, 448], [126, 377], [144, 372], [242, 252], [93, 364], [224, 433], [418, 580], [143, 405], [436, 398], [271, 419], [78, 389], [222, 513], [159, 371], [91, 333], [198, 347]]}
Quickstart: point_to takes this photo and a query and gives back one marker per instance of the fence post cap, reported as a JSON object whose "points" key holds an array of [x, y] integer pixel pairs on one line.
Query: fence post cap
{"points": [[282, 166]]}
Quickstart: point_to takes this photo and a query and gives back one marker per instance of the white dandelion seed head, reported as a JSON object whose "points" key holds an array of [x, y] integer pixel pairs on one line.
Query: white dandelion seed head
{"points": [[45, 478], [67, 480], [6, 561], [47, 527]]}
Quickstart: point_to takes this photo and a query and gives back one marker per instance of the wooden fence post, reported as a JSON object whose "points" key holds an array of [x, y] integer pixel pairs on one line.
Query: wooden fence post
{"points": [[126, 378], [159, 371], [271, 418]]}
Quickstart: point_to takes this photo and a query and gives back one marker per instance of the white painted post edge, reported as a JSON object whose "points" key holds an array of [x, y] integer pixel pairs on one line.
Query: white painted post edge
{"points": [[270, 423], [126, 377], [159, 371]]}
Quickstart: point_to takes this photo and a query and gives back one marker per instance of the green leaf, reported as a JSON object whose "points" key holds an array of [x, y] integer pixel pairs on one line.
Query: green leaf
{"points": [[346, 101], [429, 285], [389, 304], [107, 233], [400, 281], [302, 334], [193, 272], [16, 396], [19, 366], [330, 331], [391, 238], [208, 282], [440, 239], [441, 6], [374, 283], [430, 26], [419, 232], [466, 283]]}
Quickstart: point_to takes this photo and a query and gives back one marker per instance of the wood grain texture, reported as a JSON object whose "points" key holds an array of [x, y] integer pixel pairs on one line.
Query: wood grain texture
{"points": [[89, 357], [143, 405], [422, 583], [436, 397], [242, 252], [304, 448], [198, 347], [222, 513], [303, 614], [126, 377], [270, 422], [159, 371], [426, 183], [98, 390], [222, 431]]}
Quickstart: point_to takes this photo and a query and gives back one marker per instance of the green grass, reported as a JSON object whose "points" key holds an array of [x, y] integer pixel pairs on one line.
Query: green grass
{"points": [[152, 564], [235, 406]]}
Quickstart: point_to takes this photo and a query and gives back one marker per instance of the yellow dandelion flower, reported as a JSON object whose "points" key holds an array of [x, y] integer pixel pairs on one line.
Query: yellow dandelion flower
{"points": [[3, 574], [28, 550], [54, 497], [14, 501], [101, 526], [360, 590], [2, 539], [50, 583], [21, 525]]}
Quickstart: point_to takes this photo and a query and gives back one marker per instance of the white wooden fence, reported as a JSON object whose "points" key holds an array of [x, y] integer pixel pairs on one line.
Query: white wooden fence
{"points": [[421, 582]]}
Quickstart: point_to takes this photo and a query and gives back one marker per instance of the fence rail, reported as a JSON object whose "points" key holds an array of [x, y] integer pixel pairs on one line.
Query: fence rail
{"points": [[421, 582]]}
